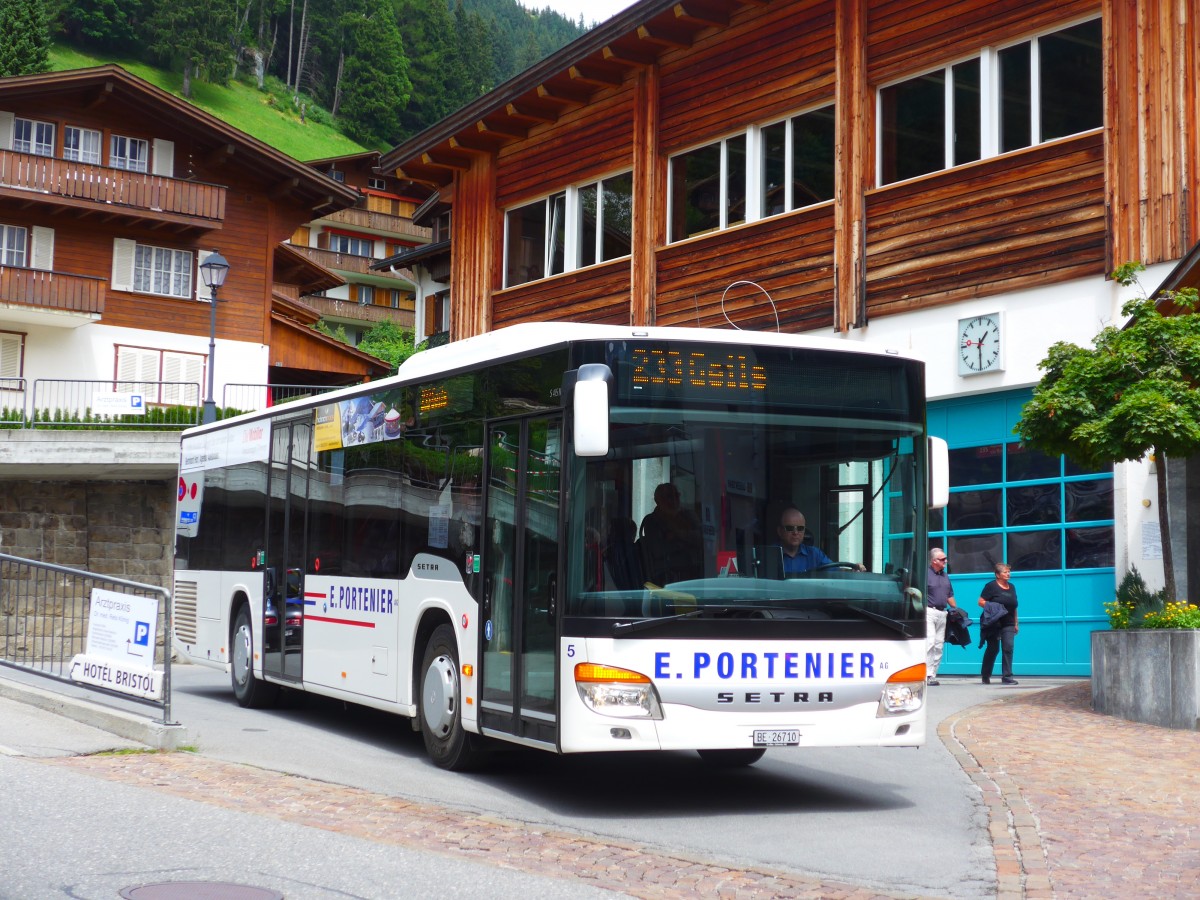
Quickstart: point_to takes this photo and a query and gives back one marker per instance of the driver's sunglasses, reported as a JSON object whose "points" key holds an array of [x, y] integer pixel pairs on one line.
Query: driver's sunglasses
{"points": [[792, 527]]}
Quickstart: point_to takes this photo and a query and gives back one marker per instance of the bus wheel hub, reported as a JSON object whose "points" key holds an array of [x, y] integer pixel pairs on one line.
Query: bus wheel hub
{"points": [[439, 701]]}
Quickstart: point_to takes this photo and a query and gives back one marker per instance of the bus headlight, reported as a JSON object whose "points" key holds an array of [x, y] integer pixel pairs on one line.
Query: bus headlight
{"points": [[903, 693], [617, 692]]}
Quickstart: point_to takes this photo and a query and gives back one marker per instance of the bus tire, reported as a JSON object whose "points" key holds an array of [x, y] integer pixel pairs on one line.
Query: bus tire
{"points": [[732, 759], [446, 741], [250, 691]]}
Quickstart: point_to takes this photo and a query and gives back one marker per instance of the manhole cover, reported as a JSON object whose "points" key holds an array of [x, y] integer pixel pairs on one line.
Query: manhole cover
{"points": [[199, 890]]}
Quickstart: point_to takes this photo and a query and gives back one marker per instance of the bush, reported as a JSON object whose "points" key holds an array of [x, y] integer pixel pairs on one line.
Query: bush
{"points": [[1136, 606]]}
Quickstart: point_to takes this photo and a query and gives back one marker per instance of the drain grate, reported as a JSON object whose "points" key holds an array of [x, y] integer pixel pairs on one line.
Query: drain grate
{"points": [[198, 890]]}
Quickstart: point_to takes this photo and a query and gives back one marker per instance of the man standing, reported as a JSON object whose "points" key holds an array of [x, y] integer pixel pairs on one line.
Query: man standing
{"points": [[939, 596]]}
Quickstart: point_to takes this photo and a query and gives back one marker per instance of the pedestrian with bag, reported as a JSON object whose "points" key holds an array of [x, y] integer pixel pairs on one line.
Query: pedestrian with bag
{"points": [[939, 597], [998, 624]]}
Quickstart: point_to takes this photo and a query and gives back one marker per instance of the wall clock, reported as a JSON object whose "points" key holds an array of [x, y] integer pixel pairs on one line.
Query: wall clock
{"points": [[979, 345]]}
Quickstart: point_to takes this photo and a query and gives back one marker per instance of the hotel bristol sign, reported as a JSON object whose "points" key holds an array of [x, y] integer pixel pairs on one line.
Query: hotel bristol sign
{"points": [[120, 645]]}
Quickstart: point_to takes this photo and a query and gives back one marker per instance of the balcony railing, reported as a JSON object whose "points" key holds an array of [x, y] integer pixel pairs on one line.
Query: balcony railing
{"points": [[348, 262], [382, 223], [329, 307], [159, 405], [72, 180], [51, 290]]}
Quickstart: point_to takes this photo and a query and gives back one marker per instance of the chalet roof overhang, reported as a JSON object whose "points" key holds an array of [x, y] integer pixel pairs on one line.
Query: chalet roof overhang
{"points": [[1185, 274], [406, 258], [280, 174], [565, 80], [294, 346], [290, 266]]}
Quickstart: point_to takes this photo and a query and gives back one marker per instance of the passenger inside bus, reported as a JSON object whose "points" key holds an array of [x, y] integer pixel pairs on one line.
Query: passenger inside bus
{"points": [[671, 545]]}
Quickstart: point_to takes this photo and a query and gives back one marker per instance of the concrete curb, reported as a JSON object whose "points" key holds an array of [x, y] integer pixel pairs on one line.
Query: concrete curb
{"points": [[128, 725]]}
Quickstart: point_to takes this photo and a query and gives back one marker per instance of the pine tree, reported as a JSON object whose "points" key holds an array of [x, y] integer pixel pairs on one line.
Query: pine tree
{"points": [[25, 46]]}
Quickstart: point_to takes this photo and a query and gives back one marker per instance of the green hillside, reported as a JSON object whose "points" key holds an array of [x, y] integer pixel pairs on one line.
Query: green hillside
{"points": [[267, 115]]}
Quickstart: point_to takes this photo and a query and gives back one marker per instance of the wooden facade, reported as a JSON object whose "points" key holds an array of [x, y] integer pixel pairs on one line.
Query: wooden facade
{"points": [[206, 186], [666, 77]]}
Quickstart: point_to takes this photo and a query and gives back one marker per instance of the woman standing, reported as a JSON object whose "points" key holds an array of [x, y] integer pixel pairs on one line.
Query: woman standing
{"points": [[998, 623]]}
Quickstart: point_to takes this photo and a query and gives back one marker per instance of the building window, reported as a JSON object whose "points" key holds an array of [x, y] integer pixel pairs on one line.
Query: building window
{"points": [[378, 184], [14, 245], [12, 364], [584, 225], [81, 145], [131, 154], [159, 270], [160, 376], [351, 246], [1037, 90], [764, 171], [32, 136], [364, 294]]}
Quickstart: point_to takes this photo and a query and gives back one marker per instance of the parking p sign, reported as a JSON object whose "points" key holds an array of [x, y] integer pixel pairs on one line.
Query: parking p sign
{"points": [[120, 645]]}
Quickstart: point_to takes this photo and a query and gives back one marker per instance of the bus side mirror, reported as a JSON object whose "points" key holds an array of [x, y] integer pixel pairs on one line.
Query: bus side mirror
{"points": [[590, 410], [939, 473]]}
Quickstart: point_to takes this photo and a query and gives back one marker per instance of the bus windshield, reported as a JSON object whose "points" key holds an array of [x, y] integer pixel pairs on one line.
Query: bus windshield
{"points": [[747, 513]]}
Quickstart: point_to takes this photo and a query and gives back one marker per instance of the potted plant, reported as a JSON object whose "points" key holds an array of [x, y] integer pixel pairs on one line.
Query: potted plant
{"points": [[1145, 667]]}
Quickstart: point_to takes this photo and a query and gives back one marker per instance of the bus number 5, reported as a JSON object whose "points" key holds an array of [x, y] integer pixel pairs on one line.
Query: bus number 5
{"points": [[570, 649]]}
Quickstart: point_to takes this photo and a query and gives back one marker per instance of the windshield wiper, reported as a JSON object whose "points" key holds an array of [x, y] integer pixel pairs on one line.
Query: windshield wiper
{"points": [[622, 628], [893, 624]]}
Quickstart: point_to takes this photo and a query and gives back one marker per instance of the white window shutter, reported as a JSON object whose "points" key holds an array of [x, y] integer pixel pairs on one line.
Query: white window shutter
{"points": [[124, 252], [43, 249], [164, 158], [10, 356], [6, 130]]}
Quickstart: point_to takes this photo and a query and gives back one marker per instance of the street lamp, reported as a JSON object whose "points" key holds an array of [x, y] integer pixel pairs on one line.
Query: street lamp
{"points": [[213, 271]]}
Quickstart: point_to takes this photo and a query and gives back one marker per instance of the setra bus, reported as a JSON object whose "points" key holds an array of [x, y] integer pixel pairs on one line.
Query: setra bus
{"points": [[474, 543]]}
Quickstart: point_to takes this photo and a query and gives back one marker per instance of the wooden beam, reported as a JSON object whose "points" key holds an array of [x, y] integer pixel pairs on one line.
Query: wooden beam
{"points": [[600, 75], [220, 155], [852, 166], [698, 12], [634, 55], [438, 177], [533, 110], [675, 37], [507, 127], [568, 93], [99, 96], [447, 158], [284, 188]]}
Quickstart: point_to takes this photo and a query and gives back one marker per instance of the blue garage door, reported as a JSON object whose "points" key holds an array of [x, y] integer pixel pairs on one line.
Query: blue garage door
{"points": [[1049, 519]]}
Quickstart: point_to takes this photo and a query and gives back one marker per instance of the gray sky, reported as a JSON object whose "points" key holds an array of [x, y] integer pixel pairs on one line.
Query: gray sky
{"points": [[593, 10]]}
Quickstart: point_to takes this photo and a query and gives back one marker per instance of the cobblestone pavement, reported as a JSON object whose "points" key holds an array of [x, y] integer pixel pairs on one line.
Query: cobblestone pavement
{"points": [[1081, 805]]}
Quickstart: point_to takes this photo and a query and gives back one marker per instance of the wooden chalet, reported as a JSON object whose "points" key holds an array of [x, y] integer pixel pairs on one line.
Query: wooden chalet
{"points": [[923, 174], [112, 192]]}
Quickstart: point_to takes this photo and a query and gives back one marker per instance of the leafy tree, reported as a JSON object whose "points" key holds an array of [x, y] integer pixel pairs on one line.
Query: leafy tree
{"points": [[195, 36], [389, 342], [1136, 391], [25, 45], [105, 24]]}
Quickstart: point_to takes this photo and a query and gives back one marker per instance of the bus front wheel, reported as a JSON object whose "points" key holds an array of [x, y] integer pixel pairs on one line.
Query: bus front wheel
{"points": [[447, 742], [250, 692], [728, 759]]}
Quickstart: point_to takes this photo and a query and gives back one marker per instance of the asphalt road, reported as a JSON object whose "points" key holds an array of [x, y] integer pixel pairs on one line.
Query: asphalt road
{"points": [[901, 820]]}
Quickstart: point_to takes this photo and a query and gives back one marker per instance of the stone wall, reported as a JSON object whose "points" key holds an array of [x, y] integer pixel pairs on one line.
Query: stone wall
{"points": [[121, 528]]}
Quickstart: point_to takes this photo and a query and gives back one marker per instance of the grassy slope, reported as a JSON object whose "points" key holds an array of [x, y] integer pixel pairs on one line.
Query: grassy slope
{"points": [[240, 105]]}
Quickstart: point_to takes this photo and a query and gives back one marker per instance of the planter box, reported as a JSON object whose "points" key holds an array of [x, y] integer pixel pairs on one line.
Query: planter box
{"points": [[1150, 676]]}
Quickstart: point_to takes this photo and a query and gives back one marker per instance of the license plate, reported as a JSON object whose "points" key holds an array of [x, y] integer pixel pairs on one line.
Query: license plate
{"points": [[777, 738]]}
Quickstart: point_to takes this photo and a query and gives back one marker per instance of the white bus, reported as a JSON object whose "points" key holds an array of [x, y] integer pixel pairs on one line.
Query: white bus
{"points": [[467, 544]]}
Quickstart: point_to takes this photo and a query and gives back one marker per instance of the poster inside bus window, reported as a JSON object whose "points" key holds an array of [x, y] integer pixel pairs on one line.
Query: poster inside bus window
{"points": [[360, 420]]}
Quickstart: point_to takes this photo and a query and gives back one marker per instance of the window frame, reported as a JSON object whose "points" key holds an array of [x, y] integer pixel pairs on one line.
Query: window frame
{"points": [[119, 156], [351, 242], [560, 258], [146, 278], [80, 153], [9, 254], [990, 102], [35, 144], [164, 394]]}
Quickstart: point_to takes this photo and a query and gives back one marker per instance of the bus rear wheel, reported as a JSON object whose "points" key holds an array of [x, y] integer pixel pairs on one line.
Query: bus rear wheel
{"points": [[250, 691], [446, 741], [731, 759]]}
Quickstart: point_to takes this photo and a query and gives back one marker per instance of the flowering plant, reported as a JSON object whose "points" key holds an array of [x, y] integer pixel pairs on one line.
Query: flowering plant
{"points": [[1138, 607]]}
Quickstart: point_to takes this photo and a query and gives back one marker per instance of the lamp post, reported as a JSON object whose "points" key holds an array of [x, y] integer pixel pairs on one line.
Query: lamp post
{"points": [[213, 271]]}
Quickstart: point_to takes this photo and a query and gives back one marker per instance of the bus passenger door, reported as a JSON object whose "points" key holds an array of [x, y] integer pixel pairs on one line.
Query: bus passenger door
{"points": [[283, 587], [520, 580]]}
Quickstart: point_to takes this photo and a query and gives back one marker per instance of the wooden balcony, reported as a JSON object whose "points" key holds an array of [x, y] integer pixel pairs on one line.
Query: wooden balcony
{"points": [[330, 308], [26, 292], [378, 223], [354, 265], [44, 179]]}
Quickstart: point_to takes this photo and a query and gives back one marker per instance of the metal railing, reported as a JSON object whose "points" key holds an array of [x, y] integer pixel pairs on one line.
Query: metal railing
{"points": [[12, 401], [44, 617], [108, 404], [255, 397]]}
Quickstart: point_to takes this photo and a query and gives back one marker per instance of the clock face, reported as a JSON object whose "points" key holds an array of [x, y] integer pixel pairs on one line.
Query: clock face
{"points": [[979, 345]]}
